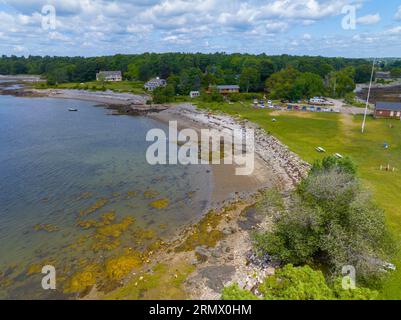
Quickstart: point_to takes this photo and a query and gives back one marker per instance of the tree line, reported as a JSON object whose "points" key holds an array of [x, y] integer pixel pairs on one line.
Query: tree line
{"points": [[196, 71]]}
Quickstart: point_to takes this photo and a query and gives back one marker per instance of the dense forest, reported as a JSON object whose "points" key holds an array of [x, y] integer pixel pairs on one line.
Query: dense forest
{"points": [[296, 76]]}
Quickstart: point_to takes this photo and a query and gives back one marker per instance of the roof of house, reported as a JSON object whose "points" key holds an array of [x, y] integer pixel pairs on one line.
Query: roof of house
{"points": [[110, 73], [156, 80], [393, 106], [227, 87]]}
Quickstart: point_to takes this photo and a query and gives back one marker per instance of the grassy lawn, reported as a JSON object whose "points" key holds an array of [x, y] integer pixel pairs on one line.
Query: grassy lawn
{"points": [[303, 131], [135, 87]]}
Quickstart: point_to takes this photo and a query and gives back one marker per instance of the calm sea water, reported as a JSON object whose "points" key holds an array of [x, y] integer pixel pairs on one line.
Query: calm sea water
{"points": [[55, 163]]}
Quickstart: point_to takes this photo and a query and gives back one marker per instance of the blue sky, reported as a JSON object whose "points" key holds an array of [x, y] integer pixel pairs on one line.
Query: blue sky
{"points": [[105, 27]]}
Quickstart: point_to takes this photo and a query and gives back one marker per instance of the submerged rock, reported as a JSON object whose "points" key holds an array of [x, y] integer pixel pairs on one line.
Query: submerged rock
{"points": [[202, 253]]}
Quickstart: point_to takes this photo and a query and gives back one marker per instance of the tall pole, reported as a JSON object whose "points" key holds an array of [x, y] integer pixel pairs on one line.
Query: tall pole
{"points": [[367, 98]]}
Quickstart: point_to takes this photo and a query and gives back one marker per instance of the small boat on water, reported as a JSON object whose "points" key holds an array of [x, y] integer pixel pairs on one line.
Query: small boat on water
{"points": [[72, 109]]}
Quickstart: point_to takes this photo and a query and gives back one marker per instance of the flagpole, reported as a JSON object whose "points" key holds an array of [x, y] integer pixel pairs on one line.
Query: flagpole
{"points": [[367, 98]]}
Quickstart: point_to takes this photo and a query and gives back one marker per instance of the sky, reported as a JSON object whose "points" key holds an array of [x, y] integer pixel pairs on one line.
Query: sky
{"points": [[347, 28]]}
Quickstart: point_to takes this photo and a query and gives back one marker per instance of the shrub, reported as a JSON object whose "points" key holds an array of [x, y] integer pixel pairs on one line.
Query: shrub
{"points": [[299, 283], [291, 283], [345, 165], [234, 292], [332, 221]]}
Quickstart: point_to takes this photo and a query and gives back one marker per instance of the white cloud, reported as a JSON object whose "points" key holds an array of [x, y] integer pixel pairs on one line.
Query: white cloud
{"points": [[277, 26], [54, 35], [398, 14], [369, 19], [143, 25], [392, 31], [176, 40], [139, 28], [19, 49]]}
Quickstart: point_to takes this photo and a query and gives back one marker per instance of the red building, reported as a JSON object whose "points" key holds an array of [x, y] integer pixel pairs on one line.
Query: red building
{"points": [[388, 110]]}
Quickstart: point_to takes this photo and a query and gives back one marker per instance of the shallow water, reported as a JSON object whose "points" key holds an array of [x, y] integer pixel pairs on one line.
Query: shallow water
{"points": [[55, 164]]}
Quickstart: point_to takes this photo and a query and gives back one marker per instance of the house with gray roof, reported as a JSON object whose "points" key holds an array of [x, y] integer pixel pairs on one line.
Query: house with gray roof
{"points": [[225, 89], [382, 75], [387, 110], [109, 76], [154, 83]]}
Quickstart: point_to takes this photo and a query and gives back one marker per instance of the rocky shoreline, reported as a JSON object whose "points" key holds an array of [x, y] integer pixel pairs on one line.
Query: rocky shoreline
{"points": [[228, 259], [231, 259]]}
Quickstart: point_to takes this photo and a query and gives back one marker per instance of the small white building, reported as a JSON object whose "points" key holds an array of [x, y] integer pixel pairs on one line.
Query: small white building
{"points": [[317, 100], [113, 76], [154, 83], [194, 94]]}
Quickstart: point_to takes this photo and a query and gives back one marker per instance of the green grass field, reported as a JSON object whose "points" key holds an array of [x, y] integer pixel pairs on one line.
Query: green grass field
{"points": [[341, 133], [135, 87]]}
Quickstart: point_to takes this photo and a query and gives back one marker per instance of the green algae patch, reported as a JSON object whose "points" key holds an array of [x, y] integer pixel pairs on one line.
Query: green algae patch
{"points": [[149, 194], [46, 227], [94, 207], [131, 194], [205, 233], [107, 236], [160, 203], [105, 244], [162, 282], [83, 281], [108, 217], [115, 230], [34, 268], [86, 224], [119, 267], [105, 219]]}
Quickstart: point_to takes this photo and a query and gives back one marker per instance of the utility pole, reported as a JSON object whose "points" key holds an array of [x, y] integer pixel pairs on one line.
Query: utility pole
{"points": [[367, 98]]}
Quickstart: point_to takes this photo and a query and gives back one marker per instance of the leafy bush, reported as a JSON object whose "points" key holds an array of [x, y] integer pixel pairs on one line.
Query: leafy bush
{"points": [[212, 96], [291, 283], [344, 165], [331, 221], [234, 292], [359, 293], [299, 283], [163, 94]]}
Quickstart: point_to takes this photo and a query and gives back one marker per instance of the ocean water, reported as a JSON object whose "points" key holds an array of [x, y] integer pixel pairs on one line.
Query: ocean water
{"points": [[57, 166]]}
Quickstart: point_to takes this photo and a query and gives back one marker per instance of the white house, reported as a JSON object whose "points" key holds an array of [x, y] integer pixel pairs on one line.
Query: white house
{"points": [[194, 94], [154, 83], [109, 76]]}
